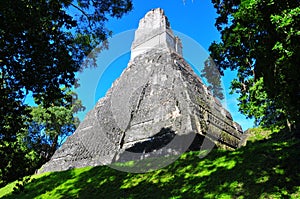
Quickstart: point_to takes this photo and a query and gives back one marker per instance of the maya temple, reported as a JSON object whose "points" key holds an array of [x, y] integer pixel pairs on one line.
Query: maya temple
{"points": [[157, 107]]}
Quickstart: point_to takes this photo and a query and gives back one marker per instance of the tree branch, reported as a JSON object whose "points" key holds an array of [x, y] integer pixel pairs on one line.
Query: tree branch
{"points": [[83, 12]]}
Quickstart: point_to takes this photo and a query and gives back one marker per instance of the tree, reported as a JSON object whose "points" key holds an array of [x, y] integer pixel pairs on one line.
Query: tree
{"points": [[49, 127], [260, 39], [43, 44], [211, 73]]}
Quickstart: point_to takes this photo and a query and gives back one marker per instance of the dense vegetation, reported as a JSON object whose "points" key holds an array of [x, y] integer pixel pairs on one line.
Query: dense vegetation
{"points": [[267, 167], [260, 40], [43, 43]]}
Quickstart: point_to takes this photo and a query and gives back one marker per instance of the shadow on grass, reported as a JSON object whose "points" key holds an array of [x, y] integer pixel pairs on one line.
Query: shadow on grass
{"points": [[264, 169]]}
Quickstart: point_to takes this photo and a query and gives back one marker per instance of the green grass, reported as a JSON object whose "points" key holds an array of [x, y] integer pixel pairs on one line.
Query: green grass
{"points": [[267, 167]]}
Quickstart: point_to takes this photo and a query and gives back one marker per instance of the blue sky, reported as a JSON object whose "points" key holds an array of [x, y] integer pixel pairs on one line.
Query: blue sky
{"points": [[192, 21]]}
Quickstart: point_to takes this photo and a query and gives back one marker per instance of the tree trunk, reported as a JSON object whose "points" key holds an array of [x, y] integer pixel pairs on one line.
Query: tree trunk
{"points": [[289, 126]]}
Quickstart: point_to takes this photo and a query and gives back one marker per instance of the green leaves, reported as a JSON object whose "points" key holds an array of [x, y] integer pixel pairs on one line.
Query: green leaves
{"points": [[260, 39], [213, 77], [43, 44]]}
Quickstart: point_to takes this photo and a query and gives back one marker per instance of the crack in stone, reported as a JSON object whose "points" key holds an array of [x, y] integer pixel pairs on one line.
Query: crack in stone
{"points": [[141, 97]]}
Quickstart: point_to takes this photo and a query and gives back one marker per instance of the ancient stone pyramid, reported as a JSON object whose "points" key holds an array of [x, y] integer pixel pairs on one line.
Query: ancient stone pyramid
{"points": [[157, 106]]}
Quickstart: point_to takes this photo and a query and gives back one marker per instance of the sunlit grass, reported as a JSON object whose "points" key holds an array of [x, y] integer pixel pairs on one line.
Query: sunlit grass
{"points": [[265, 168]]}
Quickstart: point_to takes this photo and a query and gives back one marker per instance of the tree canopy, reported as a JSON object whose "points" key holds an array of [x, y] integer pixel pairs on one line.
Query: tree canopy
{"points": [[211, 73], [43, 44], [260, 40]]}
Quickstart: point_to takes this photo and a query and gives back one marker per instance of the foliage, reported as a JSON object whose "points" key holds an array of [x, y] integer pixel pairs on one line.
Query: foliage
{"points": [[50, 126], [43, 44], [47, 128], [260, 39], [211, 73], [264, 168]]}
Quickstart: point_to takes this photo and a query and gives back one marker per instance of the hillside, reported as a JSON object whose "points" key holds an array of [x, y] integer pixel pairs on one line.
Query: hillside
{"points": [[267, 167]]}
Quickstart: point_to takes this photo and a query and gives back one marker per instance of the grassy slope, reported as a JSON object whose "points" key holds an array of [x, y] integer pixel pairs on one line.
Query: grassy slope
{"points": [[265, 168]]}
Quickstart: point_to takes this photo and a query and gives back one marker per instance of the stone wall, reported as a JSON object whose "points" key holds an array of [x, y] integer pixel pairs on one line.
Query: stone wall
{"points": [[154, 32]]}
